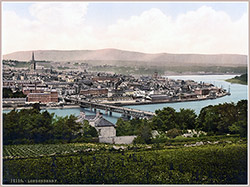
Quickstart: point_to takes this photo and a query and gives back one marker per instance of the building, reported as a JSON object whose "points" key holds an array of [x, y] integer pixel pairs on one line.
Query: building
{"points": [[104, 79], [47, 97], [94, 92], [106, 130], [202, 91], [159, 97], [33, 62], [28, 90]]}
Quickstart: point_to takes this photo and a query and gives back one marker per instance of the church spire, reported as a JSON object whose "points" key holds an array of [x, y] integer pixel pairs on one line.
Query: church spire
{"points": [[33, 60]]}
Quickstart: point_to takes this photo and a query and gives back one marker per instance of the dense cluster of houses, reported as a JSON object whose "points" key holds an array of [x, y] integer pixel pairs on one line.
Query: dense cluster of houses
{"points": [[53, 86], [45, 85]]}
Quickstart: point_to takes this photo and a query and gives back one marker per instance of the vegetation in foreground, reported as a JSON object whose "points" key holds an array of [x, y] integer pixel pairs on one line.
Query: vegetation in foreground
{"points": [[213, 120], [166, 158], [32, 126], [239, 79], [209, 164]]}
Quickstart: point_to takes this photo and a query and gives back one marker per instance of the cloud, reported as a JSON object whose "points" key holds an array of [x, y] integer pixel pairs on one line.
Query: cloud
{"points": [[62, 26], [202, 31], [54, 26]]}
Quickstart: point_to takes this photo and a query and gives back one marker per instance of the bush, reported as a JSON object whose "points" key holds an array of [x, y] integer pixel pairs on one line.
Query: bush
{"points": [[172, 133], [162, 138]]}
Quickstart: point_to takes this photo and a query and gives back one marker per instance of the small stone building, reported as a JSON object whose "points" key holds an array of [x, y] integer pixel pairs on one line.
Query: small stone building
{"points": [[106, 130]]}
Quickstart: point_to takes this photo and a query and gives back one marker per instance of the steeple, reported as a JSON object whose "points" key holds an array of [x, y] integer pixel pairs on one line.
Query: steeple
{"points": [[33, 60]]}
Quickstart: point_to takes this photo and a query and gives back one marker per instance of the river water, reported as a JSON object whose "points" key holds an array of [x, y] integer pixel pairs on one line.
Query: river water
{"points": [[238, 92]]}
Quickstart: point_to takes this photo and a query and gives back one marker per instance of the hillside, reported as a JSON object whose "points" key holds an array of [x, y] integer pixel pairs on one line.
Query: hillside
{"points": [[239, 79], [121, 57]]}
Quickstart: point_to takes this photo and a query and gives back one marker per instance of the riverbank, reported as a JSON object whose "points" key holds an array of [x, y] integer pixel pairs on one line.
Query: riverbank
{"points": [[238, 79], [44, 107], [121, 103], [133, 102]]}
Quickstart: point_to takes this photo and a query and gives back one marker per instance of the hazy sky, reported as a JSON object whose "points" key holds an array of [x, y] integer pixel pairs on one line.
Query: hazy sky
{"points": [[208, 28]]}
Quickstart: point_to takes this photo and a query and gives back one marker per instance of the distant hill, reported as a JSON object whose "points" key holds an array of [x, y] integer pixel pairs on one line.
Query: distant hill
{"points": [[121, 57]]}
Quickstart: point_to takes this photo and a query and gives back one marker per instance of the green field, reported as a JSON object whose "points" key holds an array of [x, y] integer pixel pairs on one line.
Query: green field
{"points": [[220, 162]]}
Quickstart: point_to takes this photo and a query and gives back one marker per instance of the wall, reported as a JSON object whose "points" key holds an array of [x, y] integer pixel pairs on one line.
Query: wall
{"points": [[117, 139], [124, 139], [106, 131], [106, 140]]}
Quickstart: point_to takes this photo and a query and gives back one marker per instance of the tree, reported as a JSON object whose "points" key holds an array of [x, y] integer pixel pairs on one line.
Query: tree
{"points": [[165, 119], [7, 93], [224, 118], [88, 130], [127, 128], [144, 134], [186, 119], [240, 126], [172, 133]]}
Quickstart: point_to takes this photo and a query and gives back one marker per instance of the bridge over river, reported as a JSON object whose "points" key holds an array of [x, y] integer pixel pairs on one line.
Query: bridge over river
{"points": [[127, 112]]}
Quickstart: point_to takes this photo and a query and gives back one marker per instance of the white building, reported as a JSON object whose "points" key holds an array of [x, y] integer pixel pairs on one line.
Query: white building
{"points": [[106, 130]]}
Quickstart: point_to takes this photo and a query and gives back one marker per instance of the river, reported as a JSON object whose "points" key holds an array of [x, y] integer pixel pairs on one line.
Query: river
{"points": [[238, 92]]}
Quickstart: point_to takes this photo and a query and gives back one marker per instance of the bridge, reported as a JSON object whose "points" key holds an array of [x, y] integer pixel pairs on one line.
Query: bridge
{"points": [[127, 112]]}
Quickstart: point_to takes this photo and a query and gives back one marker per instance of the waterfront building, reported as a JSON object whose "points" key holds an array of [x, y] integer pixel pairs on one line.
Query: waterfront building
{"points": [[46, 97], [159, 97], [94, 92]]}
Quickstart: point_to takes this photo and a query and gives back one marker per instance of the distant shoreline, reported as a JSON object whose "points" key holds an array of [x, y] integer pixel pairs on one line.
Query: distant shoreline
{"points": [[43, 107], [242, 79]]}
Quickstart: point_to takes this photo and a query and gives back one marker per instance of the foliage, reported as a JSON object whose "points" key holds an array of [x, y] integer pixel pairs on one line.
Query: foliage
{"points": [[172, 133], [7, 93], [213, 164], [165, 119], [218, 119], [88, 130], [224, 118], [41, 150], [144, 134], [239, 79], [168, 118], [127, 128], [186, 119], [33, 126]]}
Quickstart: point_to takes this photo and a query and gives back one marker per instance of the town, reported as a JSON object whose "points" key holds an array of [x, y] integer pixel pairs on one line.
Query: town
{"points": [[52, 88]]}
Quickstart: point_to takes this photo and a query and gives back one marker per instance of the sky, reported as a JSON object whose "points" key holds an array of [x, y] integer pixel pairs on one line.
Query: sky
{"points": [[150, 27]]}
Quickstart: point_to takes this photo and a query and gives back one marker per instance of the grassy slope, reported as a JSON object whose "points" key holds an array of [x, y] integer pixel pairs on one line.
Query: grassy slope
{"points": [[171, 163], [239, 79], [213, 164]]}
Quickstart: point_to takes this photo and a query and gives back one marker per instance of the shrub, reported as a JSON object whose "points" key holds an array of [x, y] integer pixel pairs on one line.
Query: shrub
{"points": [[172, 133]]}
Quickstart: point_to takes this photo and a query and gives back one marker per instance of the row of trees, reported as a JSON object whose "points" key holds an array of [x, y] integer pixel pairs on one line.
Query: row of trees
{"points": [[33, 126], [218, 119]]}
